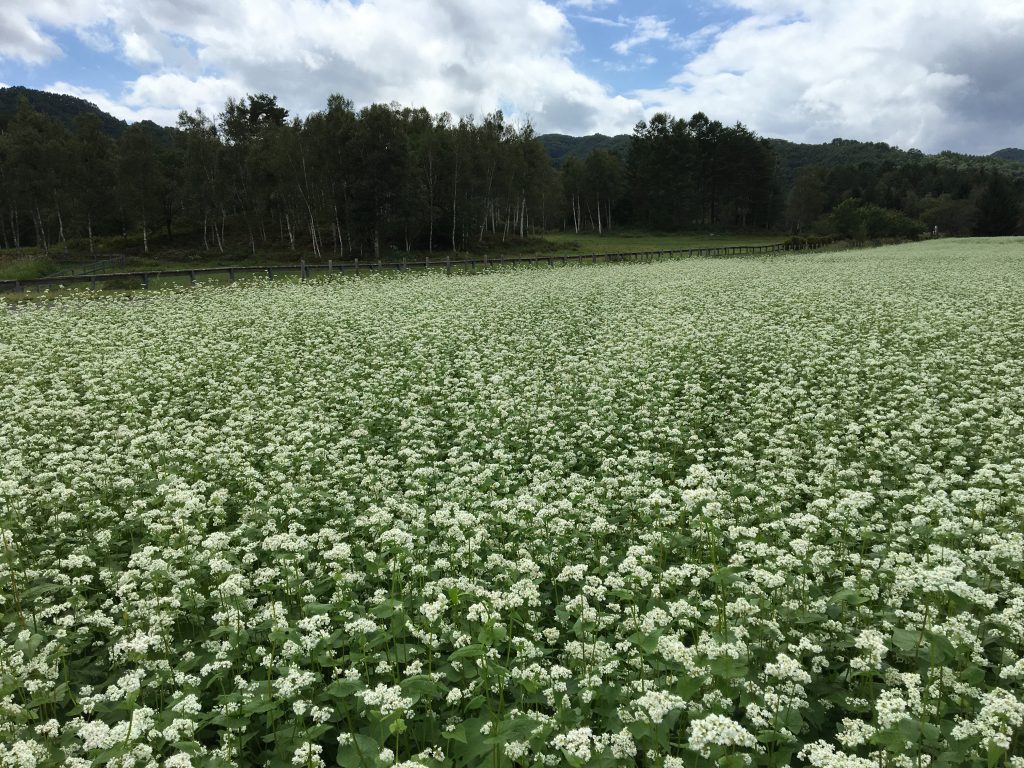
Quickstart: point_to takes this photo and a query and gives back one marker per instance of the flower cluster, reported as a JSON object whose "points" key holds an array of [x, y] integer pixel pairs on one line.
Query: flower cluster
{"points": [[753, 512]]}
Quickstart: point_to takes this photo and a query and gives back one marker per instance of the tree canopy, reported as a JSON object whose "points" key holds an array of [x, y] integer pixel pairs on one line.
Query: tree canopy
{"points": [[346, 183]]}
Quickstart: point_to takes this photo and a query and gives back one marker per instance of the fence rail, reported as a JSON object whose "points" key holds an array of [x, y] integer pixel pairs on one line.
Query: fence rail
{"points": [[84, 267], [355, 266]]}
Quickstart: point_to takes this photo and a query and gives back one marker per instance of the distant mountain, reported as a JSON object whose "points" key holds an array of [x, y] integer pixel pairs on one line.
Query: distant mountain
{"points": [[793, 157], [561, 147], [58, 107], [1010, 153], [839, 152]]}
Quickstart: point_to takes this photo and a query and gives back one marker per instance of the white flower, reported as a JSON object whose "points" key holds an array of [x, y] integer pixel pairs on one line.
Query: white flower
{"points": [[385, 698], [718, 730]]}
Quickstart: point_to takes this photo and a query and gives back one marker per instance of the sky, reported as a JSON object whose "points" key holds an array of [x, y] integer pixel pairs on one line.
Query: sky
{"points": [[925, 74]]}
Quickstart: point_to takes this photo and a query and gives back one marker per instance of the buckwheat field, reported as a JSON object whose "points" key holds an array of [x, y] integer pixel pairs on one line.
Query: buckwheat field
{"points": [[745, 512]]}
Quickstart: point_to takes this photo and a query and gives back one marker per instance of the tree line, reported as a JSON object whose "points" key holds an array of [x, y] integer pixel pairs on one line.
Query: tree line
{"points": [[344, 183], [906, 193]]}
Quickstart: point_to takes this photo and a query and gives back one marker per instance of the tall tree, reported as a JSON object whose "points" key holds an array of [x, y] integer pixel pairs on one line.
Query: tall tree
{"points": [[93, 176], [998, 207], [140, 180], [806, 201]]}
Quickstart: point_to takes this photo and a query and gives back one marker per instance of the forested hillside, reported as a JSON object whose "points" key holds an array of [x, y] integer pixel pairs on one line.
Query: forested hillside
{"points": [[344, 183], [561, 147], [1010, 153], [58, 107]]}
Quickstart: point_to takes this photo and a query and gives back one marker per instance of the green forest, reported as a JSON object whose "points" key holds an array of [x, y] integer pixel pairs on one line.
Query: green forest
{"points": [[346, 182]]}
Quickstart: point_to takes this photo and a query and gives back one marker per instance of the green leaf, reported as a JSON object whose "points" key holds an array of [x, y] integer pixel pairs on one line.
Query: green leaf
{"points": [[726, 576], [472, 651], [362, 751], [849, 597], [728, 668], [905, 639], [312, 609], [995, 754], [344, 688], [474, 745], [942, 650], [974, 675], [420, 686], [646, 643], [458, 733], [516, 729], [492, 634]]}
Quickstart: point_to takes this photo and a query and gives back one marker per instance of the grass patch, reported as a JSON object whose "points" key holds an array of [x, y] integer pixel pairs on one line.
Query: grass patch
{"points": [[626, 241]]}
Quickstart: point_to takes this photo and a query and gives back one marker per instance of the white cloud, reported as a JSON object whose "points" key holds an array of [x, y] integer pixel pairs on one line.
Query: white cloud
{"points": [[645, 29], [463, 56], [140, 49], [97, 38], [924, 73], [19, 39], [588, 5], [601, 21], [699, 39], [931, 74]]}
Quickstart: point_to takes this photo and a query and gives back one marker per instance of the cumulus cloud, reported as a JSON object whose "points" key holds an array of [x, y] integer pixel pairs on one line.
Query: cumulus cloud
{"points": [[924, 73], [918, 73], [462, 56], [158, 97], [19, 39]]}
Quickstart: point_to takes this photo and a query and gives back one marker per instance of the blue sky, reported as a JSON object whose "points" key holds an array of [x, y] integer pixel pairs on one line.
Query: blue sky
{"points": [[632, 46], [931, 74]]}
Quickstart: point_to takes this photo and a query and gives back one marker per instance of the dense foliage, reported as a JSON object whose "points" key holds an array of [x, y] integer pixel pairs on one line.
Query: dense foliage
{"points": [[561, 147], [718, 512], [699, 172], [58, 107], [343, 183], [955, 194]]}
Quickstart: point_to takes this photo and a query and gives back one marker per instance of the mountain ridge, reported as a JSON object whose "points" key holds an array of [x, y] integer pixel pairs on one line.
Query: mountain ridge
{"points": [[58, 106]]}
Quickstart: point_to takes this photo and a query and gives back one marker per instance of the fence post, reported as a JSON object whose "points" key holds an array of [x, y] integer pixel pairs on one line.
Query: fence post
{"points": [[231, 274], [330, 266], [145, 280], [192, 277], [302, 270], [357, 265], [448, 264], [270, 273], [92, 283]]}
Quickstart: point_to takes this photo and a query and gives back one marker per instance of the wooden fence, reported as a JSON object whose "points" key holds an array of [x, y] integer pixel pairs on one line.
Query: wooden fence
{"points": [[305, 271]]}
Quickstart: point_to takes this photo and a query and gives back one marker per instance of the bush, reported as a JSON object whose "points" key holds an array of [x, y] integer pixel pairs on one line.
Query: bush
{"points": [[861, 221]]}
